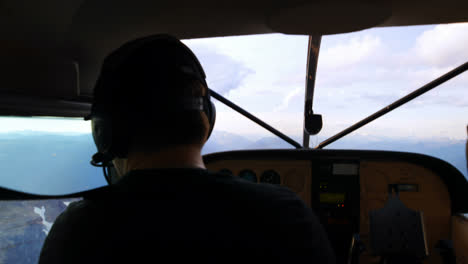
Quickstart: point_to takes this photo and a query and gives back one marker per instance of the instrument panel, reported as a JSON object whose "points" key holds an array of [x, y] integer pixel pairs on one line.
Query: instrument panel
{"points": [[343, 187], [295, 174]]}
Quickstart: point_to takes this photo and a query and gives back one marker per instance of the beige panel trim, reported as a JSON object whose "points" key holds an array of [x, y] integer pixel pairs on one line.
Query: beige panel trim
{"points": [[295, 174], [432, 199]]}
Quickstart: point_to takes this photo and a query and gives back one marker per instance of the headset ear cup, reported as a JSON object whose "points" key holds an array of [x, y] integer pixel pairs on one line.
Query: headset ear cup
{"points": [[211, 114]]}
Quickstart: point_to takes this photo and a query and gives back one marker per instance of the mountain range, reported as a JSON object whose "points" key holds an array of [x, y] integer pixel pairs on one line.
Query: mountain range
{"points": [[450, 150], [51, 163]]}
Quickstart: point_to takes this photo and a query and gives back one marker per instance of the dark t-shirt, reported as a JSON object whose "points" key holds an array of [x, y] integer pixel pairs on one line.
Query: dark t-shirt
{"points": [[189, 215]]}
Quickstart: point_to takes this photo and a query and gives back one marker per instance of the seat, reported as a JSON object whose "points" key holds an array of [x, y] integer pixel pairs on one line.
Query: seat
{"points": [[397, 232]]}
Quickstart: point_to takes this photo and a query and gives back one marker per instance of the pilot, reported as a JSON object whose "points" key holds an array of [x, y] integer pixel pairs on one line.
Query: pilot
{"points": [[151, 116]]}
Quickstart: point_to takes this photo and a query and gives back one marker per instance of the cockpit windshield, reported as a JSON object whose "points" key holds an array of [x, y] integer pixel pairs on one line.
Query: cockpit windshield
{"points": [[358, 73]]}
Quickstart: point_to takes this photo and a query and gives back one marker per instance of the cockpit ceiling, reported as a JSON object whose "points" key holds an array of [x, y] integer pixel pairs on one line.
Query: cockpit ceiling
{"points": [[76, 33]]}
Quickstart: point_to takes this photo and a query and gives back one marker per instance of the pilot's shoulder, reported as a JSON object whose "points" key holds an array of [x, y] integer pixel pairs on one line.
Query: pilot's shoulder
{"points": [[75, 210]]}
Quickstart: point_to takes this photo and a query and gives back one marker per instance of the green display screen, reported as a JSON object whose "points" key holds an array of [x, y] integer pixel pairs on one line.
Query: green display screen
{"points": [[334, 198]]}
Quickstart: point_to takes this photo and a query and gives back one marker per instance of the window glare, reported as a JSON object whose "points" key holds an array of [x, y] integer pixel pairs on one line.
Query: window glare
{"points": [[44, 124]]}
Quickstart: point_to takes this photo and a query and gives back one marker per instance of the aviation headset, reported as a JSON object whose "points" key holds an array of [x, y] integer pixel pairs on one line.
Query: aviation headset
{"points": [[112, 141]]}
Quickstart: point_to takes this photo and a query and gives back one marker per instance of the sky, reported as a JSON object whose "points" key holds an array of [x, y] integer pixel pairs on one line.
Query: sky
{"points": [[358, 73]]}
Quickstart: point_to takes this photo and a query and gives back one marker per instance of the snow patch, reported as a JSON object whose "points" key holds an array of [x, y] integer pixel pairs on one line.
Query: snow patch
{"points": [[41, 213]]}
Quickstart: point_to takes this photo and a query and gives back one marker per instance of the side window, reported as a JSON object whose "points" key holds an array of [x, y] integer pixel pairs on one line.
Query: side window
{"points": [[48, 156]]}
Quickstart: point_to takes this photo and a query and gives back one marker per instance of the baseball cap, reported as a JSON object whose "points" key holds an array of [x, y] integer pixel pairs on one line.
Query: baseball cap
{"points": [[153, 61]]}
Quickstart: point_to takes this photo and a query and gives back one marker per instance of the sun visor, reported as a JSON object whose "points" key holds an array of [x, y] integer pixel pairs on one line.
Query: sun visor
{"points": [[46, 78], [22, 105], [41, 87]]}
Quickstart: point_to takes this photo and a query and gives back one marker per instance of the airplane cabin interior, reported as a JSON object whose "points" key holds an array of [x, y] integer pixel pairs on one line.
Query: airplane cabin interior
{"points": [[371, 203]]}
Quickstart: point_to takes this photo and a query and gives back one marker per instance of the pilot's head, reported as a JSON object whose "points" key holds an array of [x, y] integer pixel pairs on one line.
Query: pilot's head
{"points": [[151, 95]]}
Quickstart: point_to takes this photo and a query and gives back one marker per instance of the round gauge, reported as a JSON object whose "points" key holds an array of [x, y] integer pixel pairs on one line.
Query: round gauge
{"points": [[270, 176], [248, 175], [225, 171]]}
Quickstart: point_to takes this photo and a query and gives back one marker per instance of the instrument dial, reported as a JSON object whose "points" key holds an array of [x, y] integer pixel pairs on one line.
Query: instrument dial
{"points": [[225, 171], [270, 176], [248, 175]]}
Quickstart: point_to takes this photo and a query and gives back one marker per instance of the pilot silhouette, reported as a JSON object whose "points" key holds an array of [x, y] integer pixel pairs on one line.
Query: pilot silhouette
{"points": [[151, 116]]}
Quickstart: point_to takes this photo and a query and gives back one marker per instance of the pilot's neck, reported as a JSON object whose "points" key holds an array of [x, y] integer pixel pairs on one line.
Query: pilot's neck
{"points": [[184, 156]]}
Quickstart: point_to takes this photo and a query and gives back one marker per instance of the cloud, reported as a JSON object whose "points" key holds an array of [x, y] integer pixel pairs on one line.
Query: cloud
{"points": [[380, 74], [355, 50], [426, 100], [443, 100], [287, 100], [382, 97], [444, 45], [223, 72], [290, 124], [358, 74]]}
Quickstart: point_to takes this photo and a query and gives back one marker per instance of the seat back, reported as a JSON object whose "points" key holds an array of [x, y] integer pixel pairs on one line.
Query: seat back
{"points": [[397, 232]]}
